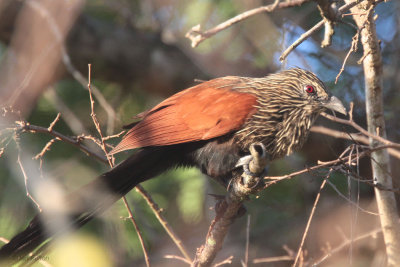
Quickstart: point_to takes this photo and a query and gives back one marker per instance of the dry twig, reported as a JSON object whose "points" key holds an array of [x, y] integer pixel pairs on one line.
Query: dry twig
{"points": [[311, 31], [197, 36], [103, 146], [300, 250]]}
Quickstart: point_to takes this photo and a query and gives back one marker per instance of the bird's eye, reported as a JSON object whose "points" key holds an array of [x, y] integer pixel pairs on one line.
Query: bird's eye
{"points": [[309, 89]]}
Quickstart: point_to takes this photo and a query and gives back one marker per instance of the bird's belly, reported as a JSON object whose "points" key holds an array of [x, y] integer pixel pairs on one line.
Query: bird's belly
{"points": [[217, 159]]}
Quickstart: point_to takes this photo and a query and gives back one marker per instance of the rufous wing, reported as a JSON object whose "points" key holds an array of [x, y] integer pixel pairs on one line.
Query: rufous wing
{"points": [[208, 110]]}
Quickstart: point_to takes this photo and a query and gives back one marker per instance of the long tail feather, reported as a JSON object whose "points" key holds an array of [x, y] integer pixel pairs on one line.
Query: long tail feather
{"points": [[93, 198]]}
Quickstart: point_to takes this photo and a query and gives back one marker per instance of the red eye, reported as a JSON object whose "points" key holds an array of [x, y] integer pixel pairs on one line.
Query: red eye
{"points": [[309, 89]]}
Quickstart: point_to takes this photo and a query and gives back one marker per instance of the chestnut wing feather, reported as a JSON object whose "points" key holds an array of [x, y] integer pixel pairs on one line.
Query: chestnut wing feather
{"points": [[202, 112]]}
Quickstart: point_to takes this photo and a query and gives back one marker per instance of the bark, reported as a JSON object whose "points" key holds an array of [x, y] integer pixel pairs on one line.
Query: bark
{"points": [[372, 64]]}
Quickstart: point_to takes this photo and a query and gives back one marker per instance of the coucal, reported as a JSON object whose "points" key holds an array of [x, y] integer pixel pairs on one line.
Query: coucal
{"points": [[209, 126]]}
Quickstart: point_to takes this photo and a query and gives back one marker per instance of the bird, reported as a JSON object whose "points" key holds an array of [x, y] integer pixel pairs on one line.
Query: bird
{"points": [[209, 126]]}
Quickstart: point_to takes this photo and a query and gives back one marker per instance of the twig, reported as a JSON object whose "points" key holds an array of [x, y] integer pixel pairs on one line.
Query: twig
{"points": [[157, 212], [197, 36], [226, 261], [344, 244], [328, 13], [111, 116], [54, 122], [246, 255], [299, 252], [103, 146], [361, 130], [352, 49], [349, 136], [350, 201], [26, 179], [311, 31], [45, 149], [354, 43], [51, 142], [138, 231], [53, 25], [24, 126], [273, 259], [178, 258], [274, 179]]}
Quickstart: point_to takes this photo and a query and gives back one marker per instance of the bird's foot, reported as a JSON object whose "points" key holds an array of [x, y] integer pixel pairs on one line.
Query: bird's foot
{"points": [[254, 165]]}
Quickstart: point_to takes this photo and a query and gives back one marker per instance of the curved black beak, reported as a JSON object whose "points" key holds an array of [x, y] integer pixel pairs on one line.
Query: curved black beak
{"points": [[336, 105]]}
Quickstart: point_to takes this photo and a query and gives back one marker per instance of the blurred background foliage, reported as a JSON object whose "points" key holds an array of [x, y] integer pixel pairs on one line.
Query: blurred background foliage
{"points": [[139, 56]]}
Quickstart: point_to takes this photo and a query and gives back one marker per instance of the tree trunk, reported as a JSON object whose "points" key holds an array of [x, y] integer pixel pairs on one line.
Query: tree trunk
{"points": [[372, 64]]}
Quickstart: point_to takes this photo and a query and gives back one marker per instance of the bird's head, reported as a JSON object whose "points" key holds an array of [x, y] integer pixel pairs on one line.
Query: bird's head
{"points": [[311, 91]]}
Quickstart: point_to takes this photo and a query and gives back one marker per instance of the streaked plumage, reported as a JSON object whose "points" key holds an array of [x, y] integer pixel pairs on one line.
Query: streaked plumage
{"points": [[209, 126]]}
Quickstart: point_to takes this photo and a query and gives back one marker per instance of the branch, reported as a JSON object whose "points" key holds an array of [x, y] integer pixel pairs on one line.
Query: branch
{"points": [[346, 243], [349, 136], [311, 31], [299, 254], [26, 126], [157, 212], [353, 124], [110, 162], [341, 160], [197, 36], [230, 207], [380, 160], [328, 13]]}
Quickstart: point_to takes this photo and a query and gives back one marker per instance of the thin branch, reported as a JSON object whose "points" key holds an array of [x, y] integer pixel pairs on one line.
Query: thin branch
{"points": [[226, 261], [350, 201], [328, 13], [53, 25], [103, 146], [346, 243], [26, 181], [349, 136], [137, 229], [273, 259], [197, 36], [341, 160], [311, 31], [353, 48], [25, 126], [246, 255], [178, 258], [299, 251], [157, 212], [362, 130]]}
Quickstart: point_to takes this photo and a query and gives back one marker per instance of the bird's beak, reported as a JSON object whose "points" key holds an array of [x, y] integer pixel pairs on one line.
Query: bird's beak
{"points": [[336, 105]]}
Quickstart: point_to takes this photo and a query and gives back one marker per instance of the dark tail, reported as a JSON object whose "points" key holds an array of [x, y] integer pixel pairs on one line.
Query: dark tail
{"points": [[92, 199]]}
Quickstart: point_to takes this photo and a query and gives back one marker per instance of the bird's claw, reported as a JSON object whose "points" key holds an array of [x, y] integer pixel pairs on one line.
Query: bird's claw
{"points": [[254, 165], [261, 153]]}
